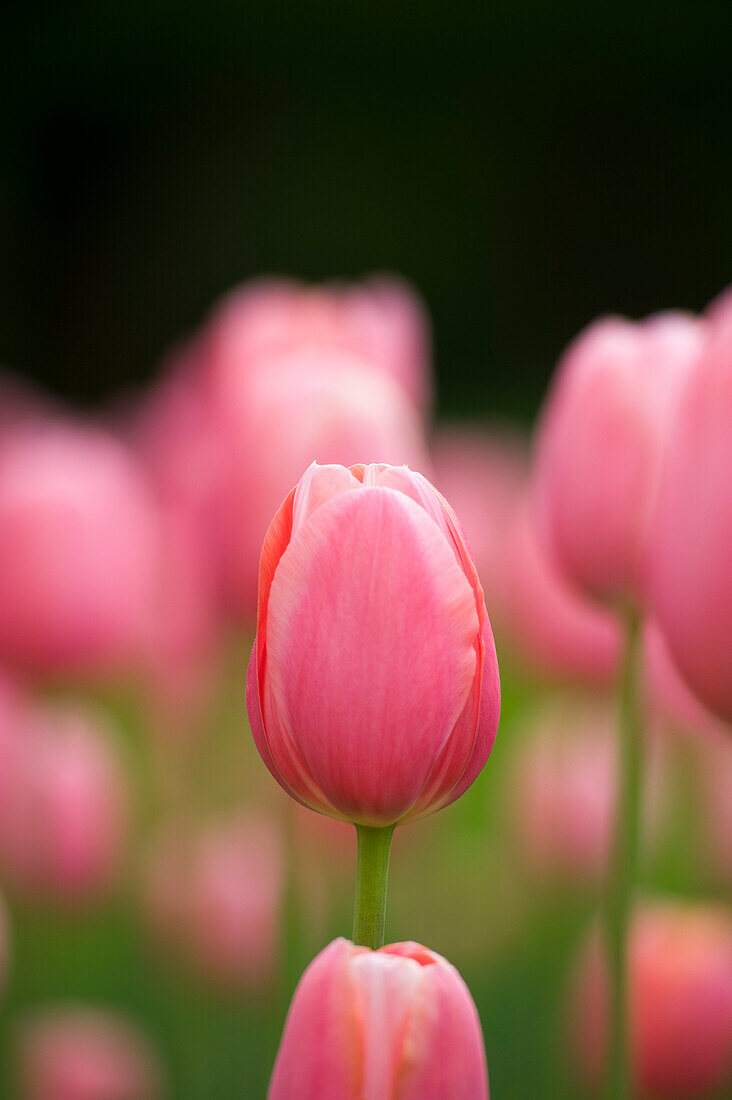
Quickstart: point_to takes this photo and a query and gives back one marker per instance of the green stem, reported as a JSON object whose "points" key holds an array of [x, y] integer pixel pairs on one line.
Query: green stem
{"points": [[625, 860], [372, 876]]}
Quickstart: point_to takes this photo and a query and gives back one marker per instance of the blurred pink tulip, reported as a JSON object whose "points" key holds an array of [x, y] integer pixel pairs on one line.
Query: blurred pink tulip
{"points": [[214, 897], [688, 566], [680, 1002], [669, 696], [550, 625], [311, 404], [373, 690], [183, 624], [64, 821], [364, 1025], [78, 540], [601, 443], [482, 472], [84, 1054], [534, 611], [380, 320], [563, 797]]}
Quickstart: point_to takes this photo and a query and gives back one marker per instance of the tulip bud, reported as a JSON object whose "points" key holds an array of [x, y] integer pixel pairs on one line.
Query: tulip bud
{"points": [[564, 795], [380, 320], [215, 897], [688, 567], [83, 1054], [64, 822], [680, 1002], [77, 543], [364, 1025], [601, 444], [373, 689]]}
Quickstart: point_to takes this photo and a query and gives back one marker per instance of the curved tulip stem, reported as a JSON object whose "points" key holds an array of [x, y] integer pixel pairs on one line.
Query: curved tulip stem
{"points": [[625, 859], [372, 876]]}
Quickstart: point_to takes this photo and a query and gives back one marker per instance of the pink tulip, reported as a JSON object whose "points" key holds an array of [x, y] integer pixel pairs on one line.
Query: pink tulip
{"points": [[601, 444], [83, 1054], [564, 794], [688, 566], [380, 320], [215, 898], [534, 611], [183, 624], [680, 1002], [63, 824], [482, 472], [311, 404], [373, 689], [78, 538], [551, 626], [668, 694], [364, 1025]]}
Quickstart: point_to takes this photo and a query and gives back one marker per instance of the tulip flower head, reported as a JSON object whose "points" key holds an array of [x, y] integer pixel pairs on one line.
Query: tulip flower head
{"points": [[373, 689], [380, 320], [64, 822], [601, 445], [77, 545], [688, 566], [680, 1002], [75, 1053], [364, 1025]]}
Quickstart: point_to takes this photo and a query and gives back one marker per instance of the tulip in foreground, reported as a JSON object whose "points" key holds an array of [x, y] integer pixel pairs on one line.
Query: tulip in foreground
{"points": [[373, 688], [680, 1003], [365, 1025]]}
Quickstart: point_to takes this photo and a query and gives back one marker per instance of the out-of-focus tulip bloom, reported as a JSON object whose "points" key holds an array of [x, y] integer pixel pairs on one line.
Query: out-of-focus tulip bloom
{"points": [[373, 689], [215, 898], [668, 694], [380, 320], [363, 1025], [64, 822], [564, 794], [680, 1002], [601, 444], [311, 405], [75, 1053], [551, 626], [183, 622], [688, 566], [534, 611], [77, 542], [482, 472]]}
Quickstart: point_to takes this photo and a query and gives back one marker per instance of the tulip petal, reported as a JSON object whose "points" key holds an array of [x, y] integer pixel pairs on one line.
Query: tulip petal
{"points": [[365, 585], [321, 1052]]}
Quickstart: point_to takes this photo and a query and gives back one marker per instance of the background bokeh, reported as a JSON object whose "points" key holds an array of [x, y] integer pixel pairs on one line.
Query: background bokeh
{"points": [[526, 165]]}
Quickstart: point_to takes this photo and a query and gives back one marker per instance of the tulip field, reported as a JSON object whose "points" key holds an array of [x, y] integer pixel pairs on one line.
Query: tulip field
{"points": [[351, 752]]}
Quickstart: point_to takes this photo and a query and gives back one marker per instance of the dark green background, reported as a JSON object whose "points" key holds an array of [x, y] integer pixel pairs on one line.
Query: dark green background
{"points": [[528, 165]]}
